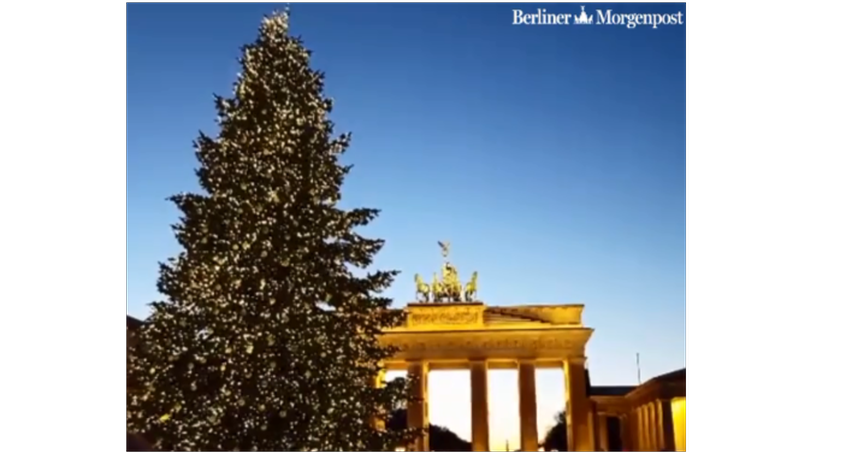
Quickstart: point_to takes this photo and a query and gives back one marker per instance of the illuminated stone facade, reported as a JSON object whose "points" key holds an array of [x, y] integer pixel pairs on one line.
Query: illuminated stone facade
{"points": [[475, 337], [651, 416], [472, 336]]}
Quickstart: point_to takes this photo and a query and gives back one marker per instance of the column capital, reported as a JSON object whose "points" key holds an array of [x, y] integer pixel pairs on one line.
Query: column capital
{"points": [[576, 360], [422, 365], [526, 362]]}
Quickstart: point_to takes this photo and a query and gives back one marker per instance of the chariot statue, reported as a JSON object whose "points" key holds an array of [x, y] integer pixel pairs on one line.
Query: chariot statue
{"points": [[423, 290], [470, 287], [448, 288]]}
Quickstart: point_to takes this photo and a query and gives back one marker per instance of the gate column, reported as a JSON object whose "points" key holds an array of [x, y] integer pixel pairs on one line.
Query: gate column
{"points": [[579, 435], [418, 408], [479, 397]]}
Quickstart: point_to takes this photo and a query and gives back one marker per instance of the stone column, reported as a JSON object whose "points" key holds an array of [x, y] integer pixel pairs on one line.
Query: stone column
{"points": [[626, 432], [579, 437], [650, 428], [653, 429], [592, 423], [641, 429], [647, 437], [679, 410], [528, 407], [378, 420], [602, 431], [479, 404], [665, 417], [418, 413]]}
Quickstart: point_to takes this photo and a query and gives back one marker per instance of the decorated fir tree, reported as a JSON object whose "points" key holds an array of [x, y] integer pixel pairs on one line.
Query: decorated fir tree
{"points": [[267, 340]]}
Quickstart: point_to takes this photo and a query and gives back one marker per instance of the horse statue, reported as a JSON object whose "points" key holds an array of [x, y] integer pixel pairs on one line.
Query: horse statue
{"points": [[422, 289], [451, 283], [471, 287], [455, 291], [438, 290], [448, 287]]}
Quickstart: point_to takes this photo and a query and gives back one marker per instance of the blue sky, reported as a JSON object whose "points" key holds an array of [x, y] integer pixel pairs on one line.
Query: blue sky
{"points": [[552, 158]]}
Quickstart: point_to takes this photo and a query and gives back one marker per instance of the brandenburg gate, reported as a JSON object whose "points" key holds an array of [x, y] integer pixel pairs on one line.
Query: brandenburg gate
{"points": [[447, 329]]}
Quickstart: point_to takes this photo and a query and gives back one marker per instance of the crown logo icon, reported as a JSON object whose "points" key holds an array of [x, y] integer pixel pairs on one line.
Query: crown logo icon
{"points": [[583, 18]]}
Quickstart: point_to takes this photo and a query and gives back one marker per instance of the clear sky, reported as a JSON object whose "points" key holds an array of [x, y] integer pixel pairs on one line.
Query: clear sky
{"points": [[552, 158]]}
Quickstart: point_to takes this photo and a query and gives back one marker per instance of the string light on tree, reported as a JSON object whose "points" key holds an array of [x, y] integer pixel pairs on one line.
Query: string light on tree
{"points": [[266, 340]]}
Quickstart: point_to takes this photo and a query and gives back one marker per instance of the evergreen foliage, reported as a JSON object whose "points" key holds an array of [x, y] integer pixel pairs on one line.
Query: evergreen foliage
{"points": [[267, 340]]}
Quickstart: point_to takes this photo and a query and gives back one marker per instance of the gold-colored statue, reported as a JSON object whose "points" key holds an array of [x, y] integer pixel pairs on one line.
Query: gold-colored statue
{"points": [[422, 289], [448, 287], [452, 284], [470, 288], [438, 292], [444, 248]]}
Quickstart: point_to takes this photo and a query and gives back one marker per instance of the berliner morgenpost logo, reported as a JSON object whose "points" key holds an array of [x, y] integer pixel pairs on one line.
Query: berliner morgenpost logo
{"points": [[607, 16]]}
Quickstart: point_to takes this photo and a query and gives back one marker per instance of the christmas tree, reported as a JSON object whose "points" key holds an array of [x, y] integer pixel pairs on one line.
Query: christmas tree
{"points": [[267, 339]]}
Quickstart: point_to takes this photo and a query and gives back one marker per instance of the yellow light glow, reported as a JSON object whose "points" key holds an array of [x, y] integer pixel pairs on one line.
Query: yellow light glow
{"points": [[679, 422]]}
